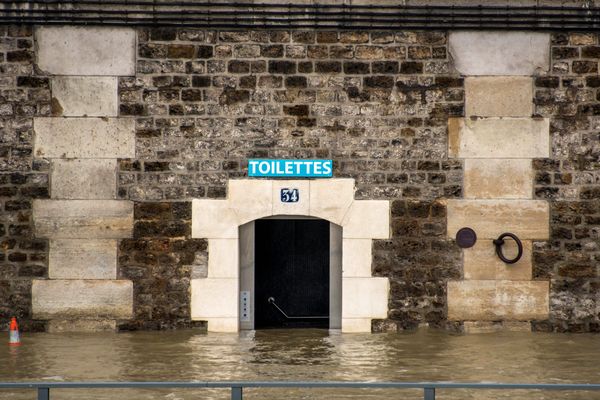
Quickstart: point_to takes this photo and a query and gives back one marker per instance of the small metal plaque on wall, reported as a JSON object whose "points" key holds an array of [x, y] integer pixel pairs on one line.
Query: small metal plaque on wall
{"points": [[290, 195]]}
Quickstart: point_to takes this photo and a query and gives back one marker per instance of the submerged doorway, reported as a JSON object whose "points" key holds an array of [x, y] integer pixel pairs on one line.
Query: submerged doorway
{"points": [[290, 274], [291, 277]]}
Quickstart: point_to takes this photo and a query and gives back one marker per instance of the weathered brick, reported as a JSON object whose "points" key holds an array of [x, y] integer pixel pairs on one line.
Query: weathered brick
{"points": [[282, 67], [328, 67]]}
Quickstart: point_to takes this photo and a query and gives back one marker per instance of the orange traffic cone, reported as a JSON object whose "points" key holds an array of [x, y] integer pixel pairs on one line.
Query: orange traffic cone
{"points": [[15, 339]]}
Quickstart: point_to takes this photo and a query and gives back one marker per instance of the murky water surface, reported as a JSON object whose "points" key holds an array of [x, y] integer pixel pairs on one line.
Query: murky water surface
{"points": [[302, 355]]}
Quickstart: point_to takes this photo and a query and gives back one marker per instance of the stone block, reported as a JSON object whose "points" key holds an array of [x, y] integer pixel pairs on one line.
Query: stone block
{"points": [[474, 327], [214, 298], [213, 219], [84, 137], [498, 178], [499, 138], [83, 179], [223, 258], [482, 263], [250, 198], [499, 53], [330, 199], [70, 50], [367, 219], [82, 259], [299, 208], [499, 96], [498, 300], [82, 325], [82, 96], [357, 257], [356, 325], [83, 219], [81, 299], [528, 219], [365, 298]]}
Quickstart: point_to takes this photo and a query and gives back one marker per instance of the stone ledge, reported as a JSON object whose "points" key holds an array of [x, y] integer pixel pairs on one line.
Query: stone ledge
{"points": [[82, 259], [81, 96], [68, 50], [81, 299], [498, 300], [528, 219], [499, 53], [498, 138], [84, 137], [84, 179], [83, 219], [499, 96]]}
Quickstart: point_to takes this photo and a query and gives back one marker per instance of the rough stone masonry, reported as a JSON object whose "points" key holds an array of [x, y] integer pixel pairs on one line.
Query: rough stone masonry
{"points": [[150, 119]]}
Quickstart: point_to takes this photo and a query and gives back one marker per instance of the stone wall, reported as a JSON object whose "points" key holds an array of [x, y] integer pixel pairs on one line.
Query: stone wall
{"points": [[377, 103], [568, 94], [23, 94], [202, 102]]}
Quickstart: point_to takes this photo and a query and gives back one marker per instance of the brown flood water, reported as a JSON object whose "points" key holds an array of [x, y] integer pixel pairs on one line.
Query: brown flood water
{"points": [[302, 355]]}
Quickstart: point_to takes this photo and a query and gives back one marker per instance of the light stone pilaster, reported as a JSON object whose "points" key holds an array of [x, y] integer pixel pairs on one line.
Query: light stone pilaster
{"points": [[83, 219], [497, 139]]}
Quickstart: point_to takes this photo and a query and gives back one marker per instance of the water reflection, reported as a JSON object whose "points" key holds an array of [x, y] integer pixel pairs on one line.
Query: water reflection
{"points": [[303, 355]]}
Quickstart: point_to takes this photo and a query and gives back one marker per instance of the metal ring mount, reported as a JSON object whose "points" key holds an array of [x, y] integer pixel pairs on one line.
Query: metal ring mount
{"points": [[500, 241]]}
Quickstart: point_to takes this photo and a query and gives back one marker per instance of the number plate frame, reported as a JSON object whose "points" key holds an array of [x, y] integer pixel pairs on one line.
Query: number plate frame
{"points": [[289, 195]]}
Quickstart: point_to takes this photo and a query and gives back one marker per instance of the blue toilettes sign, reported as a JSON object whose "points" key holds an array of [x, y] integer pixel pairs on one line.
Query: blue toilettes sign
{"points": [[290, 168]]}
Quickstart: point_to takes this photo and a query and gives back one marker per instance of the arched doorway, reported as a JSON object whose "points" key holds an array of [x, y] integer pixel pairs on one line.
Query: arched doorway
{"points": [[219, 298], [290, 273]]}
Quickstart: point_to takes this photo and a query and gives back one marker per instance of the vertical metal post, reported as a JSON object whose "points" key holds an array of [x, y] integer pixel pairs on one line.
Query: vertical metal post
{"points": [[429, 394], [43, 393], [236, 393]]}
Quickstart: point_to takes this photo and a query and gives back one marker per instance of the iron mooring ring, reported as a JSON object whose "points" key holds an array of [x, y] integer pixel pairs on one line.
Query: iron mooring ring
{"points": [[500, 241]]}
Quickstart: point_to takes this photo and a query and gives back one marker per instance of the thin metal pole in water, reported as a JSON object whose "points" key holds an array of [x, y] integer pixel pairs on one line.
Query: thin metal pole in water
{"points": [[43, 393], [429, 394], [236, 393]]}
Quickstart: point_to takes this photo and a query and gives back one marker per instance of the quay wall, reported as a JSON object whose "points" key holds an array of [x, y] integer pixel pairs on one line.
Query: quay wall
{"points": [[108, 134]]}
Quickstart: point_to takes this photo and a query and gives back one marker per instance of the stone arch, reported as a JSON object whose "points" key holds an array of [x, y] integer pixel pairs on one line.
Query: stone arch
{"points": [[215, 299]]}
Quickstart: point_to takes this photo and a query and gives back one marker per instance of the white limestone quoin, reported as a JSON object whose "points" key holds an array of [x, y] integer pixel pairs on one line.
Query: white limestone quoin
{"points": [[82, 299], [102, 51], [499, 53], [84, 137], [85, 96], [215, 299], [82, 259], [498, 140], [77, 179], [83, 220]]}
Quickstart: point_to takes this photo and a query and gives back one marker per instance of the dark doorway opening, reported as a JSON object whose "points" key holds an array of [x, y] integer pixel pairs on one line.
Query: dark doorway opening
{"points": [[291, 273]]}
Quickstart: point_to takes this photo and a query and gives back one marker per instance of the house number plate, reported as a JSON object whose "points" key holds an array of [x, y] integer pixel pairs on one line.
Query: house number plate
{"points": [[290, 195]]}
